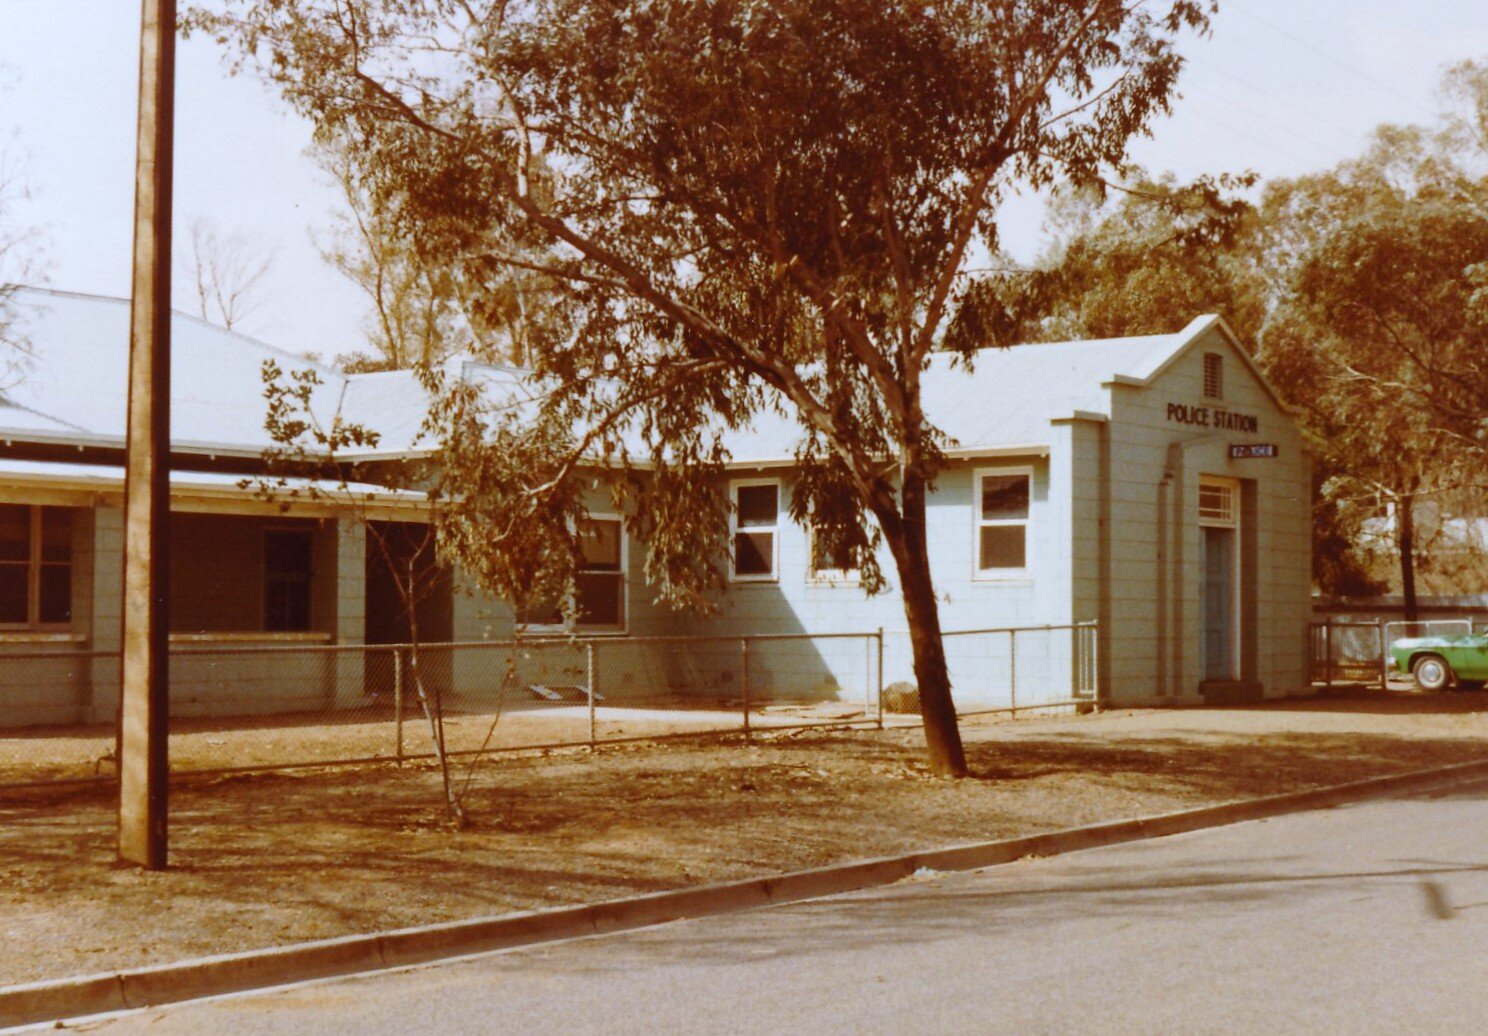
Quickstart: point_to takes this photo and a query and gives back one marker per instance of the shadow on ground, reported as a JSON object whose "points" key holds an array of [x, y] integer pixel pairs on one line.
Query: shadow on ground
{"points": [[268, 859]]}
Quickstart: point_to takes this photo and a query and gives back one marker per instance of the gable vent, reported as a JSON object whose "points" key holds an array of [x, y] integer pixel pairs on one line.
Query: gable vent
{"points": [[1213, 376]]}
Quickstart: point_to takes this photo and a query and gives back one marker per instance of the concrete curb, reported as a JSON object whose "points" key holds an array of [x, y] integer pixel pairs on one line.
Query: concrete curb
{"points": [[326, 958]]}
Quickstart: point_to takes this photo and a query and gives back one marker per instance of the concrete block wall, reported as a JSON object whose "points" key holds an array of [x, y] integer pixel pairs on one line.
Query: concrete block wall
{"points": [[1156, 559]]}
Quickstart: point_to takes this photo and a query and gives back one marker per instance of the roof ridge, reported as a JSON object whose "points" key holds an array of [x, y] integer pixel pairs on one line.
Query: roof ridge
{"points": [[250, 339]]}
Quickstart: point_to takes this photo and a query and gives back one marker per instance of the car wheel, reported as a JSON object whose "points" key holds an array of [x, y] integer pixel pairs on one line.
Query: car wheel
{"points": [[1431, 673]]}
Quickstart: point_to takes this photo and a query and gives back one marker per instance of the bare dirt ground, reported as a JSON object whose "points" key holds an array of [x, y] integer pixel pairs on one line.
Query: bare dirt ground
{"points": [[270, 859]]}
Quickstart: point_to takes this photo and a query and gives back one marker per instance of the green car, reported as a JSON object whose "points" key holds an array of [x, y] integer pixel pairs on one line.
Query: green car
{"points": [[1437, 663]]}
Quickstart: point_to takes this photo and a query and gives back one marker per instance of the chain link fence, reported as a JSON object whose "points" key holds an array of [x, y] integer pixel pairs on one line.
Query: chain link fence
{"points": [[1005, 669], [244, 708]]}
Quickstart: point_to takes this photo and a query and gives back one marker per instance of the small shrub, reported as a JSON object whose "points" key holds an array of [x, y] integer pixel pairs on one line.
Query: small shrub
{"points": [[902, 697]]}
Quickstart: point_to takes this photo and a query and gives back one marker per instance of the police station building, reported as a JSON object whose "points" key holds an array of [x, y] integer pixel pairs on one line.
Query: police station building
{"points": [[1147, 496], [1153, 486]]}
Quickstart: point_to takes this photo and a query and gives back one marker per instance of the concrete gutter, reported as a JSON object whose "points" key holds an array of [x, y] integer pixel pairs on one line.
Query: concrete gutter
{"points": [[133, 988]]}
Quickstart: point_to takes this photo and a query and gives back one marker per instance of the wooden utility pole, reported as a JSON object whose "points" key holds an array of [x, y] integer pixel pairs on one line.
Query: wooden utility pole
{"points": [[144, 701]]}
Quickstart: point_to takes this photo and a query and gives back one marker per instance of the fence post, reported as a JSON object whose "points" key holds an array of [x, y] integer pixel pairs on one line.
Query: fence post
{"points": [[878, 673], [398, 701], [1384, 656], [1012, 672], [590, 671], [1095, 664], [744, 679], [1328, 653]]}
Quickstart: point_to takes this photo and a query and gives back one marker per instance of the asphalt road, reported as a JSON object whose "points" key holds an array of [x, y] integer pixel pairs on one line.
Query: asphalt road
{"points": [[1369, 918]]}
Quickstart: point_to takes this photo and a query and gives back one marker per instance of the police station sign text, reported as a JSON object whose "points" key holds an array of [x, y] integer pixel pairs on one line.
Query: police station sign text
{"points": [[1212, 417]]}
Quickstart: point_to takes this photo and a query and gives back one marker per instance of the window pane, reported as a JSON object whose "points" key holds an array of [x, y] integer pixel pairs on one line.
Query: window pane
{"points": [[599, 541], [759, 505], [287, 606], [1216, 502], [541, 613], [56, 593], [822, 560], [12, 593], [1004, 546], [754, 554], [600, 599], [287, 553], [56, 534], [15, 532], [1005, 496]]}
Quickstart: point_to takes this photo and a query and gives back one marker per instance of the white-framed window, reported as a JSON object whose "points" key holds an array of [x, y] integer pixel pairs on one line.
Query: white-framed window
{"points": [[1004, 499], [1213, 376], [601, 596], [831, 567], [599, 585], [35, 566], [754, 530]]}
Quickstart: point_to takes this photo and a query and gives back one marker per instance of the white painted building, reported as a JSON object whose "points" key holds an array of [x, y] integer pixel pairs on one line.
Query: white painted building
{"points": [[1089, 482]]}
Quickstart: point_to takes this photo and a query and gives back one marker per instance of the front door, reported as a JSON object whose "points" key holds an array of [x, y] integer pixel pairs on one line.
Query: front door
{"points": [[1219, 604]]}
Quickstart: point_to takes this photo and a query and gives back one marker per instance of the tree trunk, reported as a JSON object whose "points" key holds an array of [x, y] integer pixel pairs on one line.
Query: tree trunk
{"points": [[922, 612], [1405, 532]]}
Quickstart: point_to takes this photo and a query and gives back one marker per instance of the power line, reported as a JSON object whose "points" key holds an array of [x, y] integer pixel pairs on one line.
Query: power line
{"points": [[1366, 77], [1322, 124], [1271, 123]]}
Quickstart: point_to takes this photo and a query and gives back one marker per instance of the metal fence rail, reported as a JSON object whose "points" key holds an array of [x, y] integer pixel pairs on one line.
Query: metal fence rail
{"points": [[1009, 669], [263, 707]]}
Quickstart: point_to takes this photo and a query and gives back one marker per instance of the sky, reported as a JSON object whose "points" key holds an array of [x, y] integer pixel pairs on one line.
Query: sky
{"points": [[1278, 88]]}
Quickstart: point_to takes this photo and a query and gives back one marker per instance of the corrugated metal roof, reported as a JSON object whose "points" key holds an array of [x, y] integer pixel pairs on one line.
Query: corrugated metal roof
{"points": [[1001, 398], [184, 483], [74, 388], [75, 382]]}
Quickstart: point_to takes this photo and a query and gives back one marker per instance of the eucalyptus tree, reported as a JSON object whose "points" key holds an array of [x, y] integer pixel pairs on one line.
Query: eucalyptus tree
{"points": [[424, 306], [1130, 258], [750, 207], [1379, 330]]}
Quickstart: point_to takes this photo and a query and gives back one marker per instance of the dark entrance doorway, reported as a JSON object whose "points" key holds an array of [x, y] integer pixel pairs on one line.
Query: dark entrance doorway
{"points": [[1219, 604], [1219, 589], [408, 593]]}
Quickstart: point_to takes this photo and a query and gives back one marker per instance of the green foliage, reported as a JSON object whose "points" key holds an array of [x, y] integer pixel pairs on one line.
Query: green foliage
{"points": [[751, 206], [1339, 567], [425, 306], [1378, 328], [1127, 260]]}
